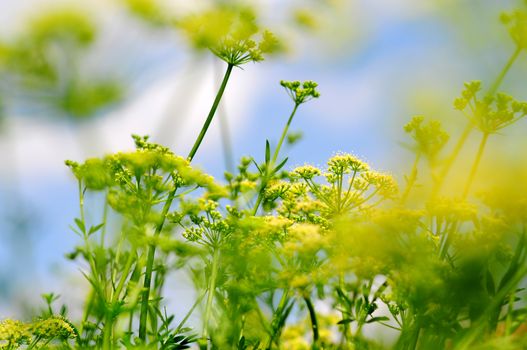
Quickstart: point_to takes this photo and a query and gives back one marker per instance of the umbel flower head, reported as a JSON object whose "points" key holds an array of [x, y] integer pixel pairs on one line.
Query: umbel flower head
{"points": [[429, 137], [516, 22], [492, 113], [54, 327], [301, 92], [229, 32], [13, 334]]}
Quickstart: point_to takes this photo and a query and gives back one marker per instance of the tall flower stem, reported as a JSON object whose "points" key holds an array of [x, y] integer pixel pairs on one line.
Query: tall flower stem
{"points": [[284, 134], [211, 290], [211, 113], [504, 71], [270, 166], [475, 165], [411, 179], [152, 249], [150, 267], [470, 126], [446, 168], [313, 317]]}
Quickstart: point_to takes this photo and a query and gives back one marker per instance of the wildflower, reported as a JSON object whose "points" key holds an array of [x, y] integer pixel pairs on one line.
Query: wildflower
{"points": [[385, 184], [429, 138], [277, 189], [13, 333], [54, 327], [344, 163], [306, 172], [516, 22], [301, 92], [193, 234], [228, 31], [492, 113]]}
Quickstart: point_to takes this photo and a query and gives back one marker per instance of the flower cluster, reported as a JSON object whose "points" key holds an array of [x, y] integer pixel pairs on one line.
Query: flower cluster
{"points": [[54, 327], [350, 184], [301, 92], [492, 113], [516, 22], [32, 63], [429, 138], [137, 181], [14, 334], [229, 31]]}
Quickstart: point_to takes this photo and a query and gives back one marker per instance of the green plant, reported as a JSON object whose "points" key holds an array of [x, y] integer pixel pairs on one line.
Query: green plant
{"points": [[268, 243]]}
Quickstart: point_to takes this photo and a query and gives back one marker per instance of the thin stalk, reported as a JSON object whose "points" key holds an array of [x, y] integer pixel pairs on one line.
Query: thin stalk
{"points": [[152, 249], [455, 153], [273, 160], [474, 168], [276, 316], [104, 220], [415, 338], [496, 302], [284, 134], [411, 179], [150, 266], [124, 277], [225, 134], [313, 317], [468, 129], [504, 71], [189, 313], [212, 288], [211, 113]]}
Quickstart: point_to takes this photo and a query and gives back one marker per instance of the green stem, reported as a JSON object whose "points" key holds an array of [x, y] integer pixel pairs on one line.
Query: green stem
{"points": [[313, 317], [107, 332], [189, 313], [211, 113], [149, 268], [468, 129], [504, 71], [411, 179], [277, 318], [495, 303], [212, 289], [273, 160], [124, 277], [474, 168], [459, 145], [152, 249], [284, 134], [104, 220], [225, 135]]}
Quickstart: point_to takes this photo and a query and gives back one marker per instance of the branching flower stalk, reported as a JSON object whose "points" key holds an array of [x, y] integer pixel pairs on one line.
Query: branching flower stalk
{"points": [[212, 112], [475, 165], [299, 93], [470, 126], [170, 199]]}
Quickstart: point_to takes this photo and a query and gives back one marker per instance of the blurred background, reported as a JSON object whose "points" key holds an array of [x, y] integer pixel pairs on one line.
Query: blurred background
{"points": [[77, 78]]}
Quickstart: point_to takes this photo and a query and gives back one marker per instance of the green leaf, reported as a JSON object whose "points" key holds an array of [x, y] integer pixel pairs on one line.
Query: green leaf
{"points": [[257, 167], [377, 319], [491, 287], [280, 166], [80, 225], [267, 152], [346, 321], [94, 229]]}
